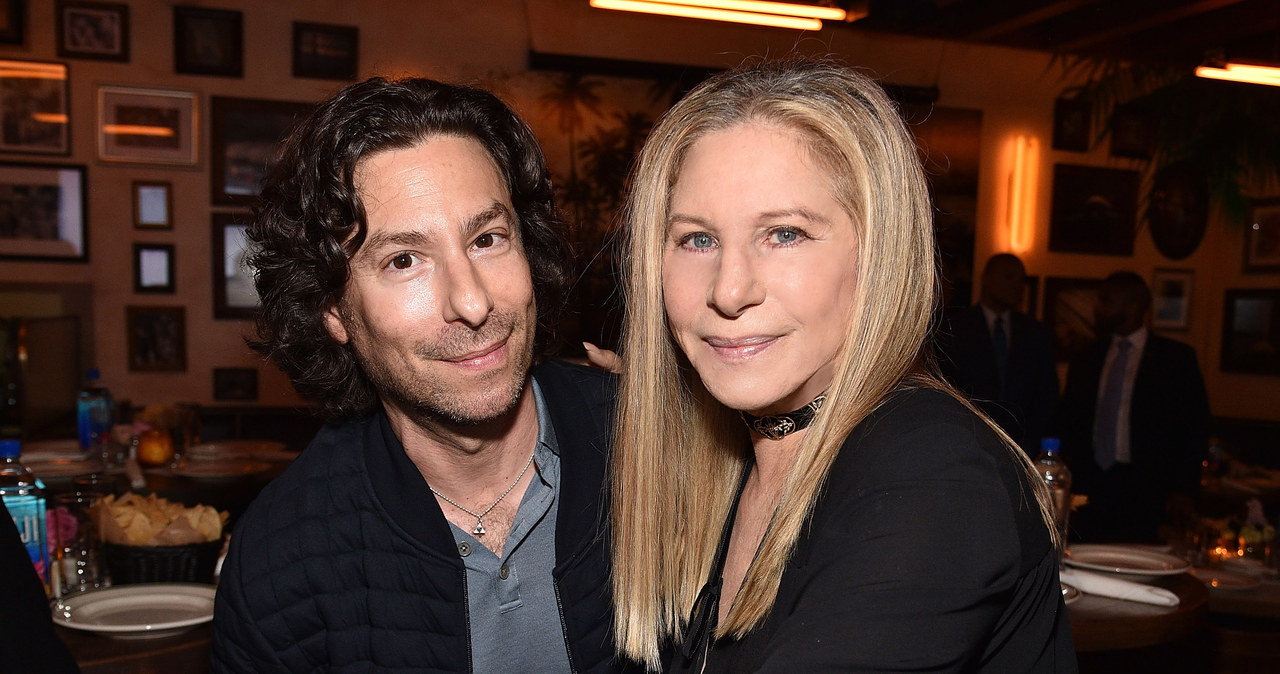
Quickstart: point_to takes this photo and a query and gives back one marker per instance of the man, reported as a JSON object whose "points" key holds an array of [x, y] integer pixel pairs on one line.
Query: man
{"points": [[1135, 420], [1001, 357], [451, 516]]}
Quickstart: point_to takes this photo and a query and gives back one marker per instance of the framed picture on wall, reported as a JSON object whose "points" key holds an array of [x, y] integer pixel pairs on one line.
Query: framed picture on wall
{"points": [[93, 30], [234, 296], [1068, 311], [156, 338], [34, 115], [147, 126], [325, 51], [1094, 210], [245, 134], [1171, 299], [42, 213], [152, 205], [153, 268], [235, 383], [1131, 134], [12, 21], [1251, 331], [208, 41], [1071, 124], [1262, 238]]}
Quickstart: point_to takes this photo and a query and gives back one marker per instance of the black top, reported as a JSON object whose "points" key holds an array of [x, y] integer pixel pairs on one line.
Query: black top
{"points": [[346, 562], [926, 552], [28, 642]]}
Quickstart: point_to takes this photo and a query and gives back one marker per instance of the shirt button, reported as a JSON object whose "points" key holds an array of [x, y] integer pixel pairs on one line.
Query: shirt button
{"points": [[464, 548], [504, 572]]}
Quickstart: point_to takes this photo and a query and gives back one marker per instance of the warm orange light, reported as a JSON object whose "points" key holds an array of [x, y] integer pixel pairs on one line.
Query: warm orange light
{"points": [[49, 117], [36, 71], [690, 12], [763, 7], [137, 130], [1242, 72], [1024, 164]]}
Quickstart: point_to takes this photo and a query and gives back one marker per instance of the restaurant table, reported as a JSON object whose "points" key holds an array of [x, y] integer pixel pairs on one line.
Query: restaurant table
{"points": [[1245, 624], [1114, 635], [185, 653]]}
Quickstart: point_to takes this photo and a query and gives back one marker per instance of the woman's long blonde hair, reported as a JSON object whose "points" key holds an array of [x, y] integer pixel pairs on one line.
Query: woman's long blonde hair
{"points": [[678, 452]]}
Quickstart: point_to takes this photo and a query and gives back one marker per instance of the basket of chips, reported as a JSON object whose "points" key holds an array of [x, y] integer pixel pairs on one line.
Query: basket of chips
{"points": [[148, 539]]}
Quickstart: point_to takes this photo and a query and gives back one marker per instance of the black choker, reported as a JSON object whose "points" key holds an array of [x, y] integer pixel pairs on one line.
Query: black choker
{"points": [[778, 426]]}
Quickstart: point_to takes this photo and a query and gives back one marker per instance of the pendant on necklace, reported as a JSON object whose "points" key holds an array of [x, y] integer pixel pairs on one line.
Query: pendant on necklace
{"points": [[479, 530]]}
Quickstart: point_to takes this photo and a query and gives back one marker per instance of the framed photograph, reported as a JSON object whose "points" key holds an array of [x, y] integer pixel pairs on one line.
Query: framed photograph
{"points": [[152, 205], [235, 383], [1068, 311], [157, 338], [42, 213], [34, 115], [1171, 299], [208, 41], [1071, 124], [12, 21], [1251, 331], [1262, 238], [234, 296], [1094, 210], [245, 134], [147, 126], [93, 30], [325, 51], [1131, 134], [153, 268]]}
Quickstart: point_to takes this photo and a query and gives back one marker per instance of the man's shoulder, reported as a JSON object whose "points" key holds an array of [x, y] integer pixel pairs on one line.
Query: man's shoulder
{"points": [[562, 375]]}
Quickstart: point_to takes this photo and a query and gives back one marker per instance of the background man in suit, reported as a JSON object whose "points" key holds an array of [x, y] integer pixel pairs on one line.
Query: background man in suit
{"points": [[1001, 357], [1135, 420]]}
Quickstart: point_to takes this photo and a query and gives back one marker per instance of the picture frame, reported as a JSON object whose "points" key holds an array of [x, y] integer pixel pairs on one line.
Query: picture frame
{"points": [[1131, 134], [13, 21], [245, 134], [235, 384], [157, 338], [152, 204], [1262, 237], [34, 113], [1171, 299], [148, 126], [42, 207], [1251, 331], [325, 51], [1072, 120], [1068, 312], [208, 41], [234, 295], [1094, 210], [153, 268], [93, 30]]}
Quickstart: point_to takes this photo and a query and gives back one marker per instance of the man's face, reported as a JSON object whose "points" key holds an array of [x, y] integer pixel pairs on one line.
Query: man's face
{"points": [[439, 307]]}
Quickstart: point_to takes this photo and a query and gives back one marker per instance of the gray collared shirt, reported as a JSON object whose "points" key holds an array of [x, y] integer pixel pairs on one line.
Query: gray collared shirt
{"points": [[511, 599]]}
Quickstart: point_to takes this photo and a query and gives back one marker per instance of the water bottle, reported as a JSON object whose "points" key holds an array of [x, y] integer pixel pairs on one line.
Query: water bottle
{"points": [[93, 416], [1056, 474], [23, 495]]}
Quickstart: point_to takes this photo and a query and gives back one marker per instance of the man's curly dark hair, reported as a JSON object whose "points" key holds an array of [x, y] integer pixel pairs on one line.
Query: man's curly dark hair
{"points": [[310, 219]]}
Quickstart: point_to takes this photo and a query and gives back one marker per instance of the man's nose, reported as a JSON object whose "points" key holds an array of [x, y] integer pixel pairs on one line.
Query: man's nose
{"points": [[467, 299]]}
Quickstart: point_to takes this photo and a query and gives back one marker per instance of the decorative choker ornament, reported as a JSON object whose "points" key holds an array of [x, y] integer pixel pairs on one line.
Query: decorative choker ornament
{"points": [[778, 426]]}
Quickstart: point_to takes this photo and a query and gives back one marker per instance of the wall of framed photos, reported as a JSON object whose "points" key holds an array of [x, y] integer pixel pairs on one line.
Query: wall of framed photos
{"points": [[161, 216]]}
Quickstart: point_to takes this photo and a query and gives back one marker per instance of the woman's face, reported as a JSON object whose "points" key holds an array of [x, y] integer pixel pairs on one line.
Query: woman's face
{"points": [[759, 268]]}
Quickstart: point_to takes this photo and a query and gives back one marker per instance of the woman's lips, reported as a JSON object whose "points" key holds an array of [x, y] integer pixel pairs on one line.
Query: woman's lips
{"points": [[738, 348]]}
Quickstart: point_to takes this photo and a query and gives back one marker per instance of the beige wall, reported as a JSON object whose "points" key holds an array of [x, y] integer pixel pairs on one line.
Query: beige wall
{"points": [[466, 40]]}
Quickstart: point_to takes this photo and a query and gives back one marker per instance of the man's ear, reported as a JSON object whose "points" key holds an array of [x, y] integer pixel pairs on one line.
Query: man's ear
{"points": [[333, 323]]}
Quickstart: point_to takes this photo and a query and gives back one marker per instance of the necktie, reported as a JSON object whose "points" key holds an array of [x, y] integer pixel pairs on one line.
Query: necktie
{"points": [[1000, 342], [1104, 427]]}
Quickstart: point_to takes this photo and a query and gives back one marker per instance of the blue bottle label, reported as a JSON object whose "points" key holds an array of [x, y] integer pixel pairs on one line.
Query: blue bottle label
{"points": [[29, 515]]}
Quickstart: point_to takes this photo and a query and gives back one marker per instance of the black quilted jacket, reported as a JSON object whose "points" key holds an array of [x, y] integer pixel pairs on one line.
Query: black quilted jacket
{"points": [[346, 563]]}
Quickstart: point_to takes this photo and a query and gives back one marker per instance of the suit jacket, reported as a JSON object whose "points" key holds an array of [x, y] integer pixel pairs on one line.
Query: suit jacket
{"points": [[1168, 418], [967, 358]]}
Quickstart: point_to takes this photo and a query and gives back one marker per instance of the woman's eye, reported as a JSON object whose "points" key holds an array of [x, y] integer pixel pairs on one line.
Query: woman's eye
{"points": [[699, 240], [785, 236], [402, 261]]}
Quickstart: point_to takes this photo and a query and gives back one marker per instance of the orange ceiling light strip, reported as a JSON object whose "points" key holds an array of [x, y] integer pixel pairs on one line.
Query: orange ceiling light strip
{"points": [[137, 130], [689, 11], [1242, 72], [764, 7]]}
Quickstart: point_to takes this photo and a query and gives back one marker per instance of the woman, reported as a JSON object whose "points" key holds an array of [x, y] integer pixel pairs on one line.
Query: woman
{"points": [[781, 273]]}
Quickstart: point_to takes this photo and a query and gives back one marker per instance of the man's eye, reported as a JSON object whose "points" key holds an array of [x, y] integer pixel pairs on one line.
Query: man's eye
{"points": [[485, 241], [402, 261]]}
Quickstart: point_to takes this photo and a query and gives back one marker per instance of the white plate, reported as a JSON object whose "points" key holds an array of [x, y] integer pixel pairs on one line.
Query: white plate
{"points": [[220, 469], [264, 450], [1221, 579], [1135, 561], [143, 611], [1070, 594]]}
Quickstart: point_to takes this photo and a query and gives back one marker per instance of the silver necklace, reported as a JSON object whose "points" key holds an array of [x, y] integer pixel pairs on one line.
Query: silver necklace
{"points": [[479, 530]]}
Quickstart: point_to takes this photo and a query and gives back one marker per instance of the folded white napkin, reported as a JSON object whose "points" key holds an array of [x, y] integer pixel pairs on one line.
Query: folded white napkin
{"points": [[1116, 588], [134, 471]]}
